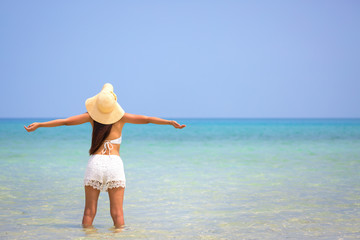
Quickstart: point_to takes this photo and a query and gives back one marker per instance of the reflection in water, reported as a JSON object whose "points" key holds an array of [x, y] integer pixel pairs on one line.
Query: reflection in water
{"points": [[117, 229], [89, 230]]}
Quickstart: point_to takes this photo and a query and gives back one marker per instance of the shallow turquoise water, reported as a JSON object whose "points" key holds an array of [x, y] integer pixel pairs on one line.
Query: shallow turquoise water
{"points": [[215, 179]]}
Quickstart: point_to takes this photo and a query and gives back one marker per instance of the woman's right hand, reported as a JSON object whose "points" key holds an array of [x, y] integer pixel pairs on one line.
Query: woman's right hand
{"points": [[32, 127], [177, 125]]}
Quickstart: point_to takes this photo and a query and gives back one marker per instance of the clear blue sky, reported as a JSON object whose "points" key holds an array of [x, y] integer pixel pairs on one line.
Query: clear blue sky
{"points": [[222, 58]]}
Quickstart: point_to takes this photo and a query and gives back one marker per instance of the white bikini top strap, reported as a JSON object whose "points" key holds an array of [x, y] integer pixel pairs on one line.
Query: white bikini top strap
{"points": [[116, 141], [107, 147]]}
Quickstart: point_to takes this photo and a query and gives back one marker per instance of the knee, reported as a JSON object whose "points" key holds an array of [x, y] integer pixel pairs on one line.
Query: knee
{"points": [[90, 212], [116, 213]]}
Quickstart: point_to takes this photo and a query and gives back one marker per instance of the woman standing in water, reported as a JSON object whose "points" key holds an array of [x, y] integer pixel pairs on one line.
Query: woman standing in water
{"points": [[105, 170]]}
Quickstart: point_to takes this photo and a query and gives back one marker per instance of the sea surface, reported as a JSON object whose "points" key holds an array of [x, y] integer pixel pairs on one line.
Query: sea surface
{"points": [[214, 179]]}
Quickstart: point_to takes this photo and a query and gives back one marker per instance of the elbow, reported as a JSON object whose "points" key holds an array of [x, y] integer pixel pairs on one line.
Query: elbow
{"points": [[65, 122], [147, 119]]}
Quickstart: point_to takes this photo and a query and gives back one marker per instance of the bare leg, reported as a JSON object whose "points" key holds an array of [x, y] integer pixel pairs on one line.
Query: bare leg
{"points": [[116, 196], [91, 199]]}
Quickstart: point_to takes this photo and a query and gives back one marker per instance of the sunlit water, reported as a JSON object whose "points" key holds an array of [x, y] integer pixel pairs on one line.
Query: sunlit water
{"points": [[215, 179]]}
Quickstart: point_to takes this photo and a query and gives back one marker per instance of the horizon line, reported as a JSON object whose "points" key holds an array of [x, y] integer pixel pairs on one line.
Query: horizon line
{"points": [[244, 118]]}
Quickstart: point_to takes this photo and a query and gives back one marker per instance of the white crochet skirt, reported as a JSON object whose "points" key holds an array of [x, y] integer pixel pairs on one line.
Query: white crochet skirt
{"points": [[104, 172]]}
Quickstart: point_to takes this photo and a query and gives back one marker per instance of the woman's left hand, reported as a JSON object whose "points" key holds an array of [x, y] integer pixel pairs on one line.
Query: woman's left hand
{"points": [[32, 127]]}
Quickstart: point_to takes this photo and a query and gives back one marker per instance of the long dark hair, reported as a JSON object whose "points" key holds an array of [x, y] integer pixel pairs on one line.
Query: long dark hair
{"points": [[99, 134]]}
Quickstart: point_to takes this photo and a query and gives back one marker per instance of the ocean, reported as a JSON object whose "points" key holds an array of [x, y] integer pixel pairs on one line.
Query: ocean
{"points": [[214, 179]]}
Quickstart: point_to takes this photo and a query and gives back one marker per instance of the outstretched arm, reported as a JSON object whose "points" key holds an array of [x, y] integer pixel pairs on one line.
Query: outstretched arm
{"points": [[140, 119], [74, 120]]}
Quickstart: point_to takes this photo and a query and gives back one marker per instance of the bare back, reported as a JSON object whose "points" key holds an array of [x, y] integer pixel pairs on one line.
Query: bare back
{"points": [[115, 133]]}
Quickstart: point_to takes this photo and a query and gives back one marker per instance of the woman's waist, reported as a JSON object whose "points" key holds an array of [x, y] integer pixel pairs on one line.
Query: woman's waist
{"points": [[114, 151], [98, 161], [104, 157]]}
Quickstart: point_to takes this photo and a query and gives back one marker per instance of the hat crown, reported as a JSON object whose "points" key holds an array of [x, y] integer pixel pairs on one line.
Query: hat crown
{"points": [[103, 107], [106, 101]]}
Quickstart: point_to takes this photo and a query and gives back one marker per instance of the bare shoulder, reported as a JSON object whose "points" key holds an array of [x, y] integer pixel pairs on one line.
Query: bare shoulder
{"points": [[128, 116], [78, 119], [133, 118], [84, 117]]}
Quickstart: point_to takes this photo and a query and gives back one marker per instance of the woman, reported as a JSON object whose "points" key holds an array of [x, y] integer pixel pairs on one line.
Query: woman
{"points": [[105, 171]]}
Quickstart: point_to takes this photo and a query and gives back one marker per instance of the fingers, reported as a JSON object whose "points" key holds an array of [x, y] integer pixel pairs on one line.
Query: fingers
{"points": [[30, 128], [177, 125]]}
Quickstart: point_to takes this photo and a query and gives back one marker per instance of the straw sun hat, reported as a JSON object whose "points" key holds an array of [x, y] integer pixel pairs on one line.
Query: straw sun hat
{"points": [[103, 107]]}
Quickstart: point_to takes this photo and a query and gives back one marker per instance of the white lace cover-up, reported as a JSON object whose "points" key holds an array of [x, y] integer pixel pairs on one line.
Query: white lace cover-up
{"points": [[104, 172]]}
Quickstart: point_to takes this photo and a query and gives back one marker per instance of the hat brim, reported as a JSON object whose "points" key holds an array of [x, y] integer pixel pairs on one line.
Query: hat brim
{"points": [[104, 118]]}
